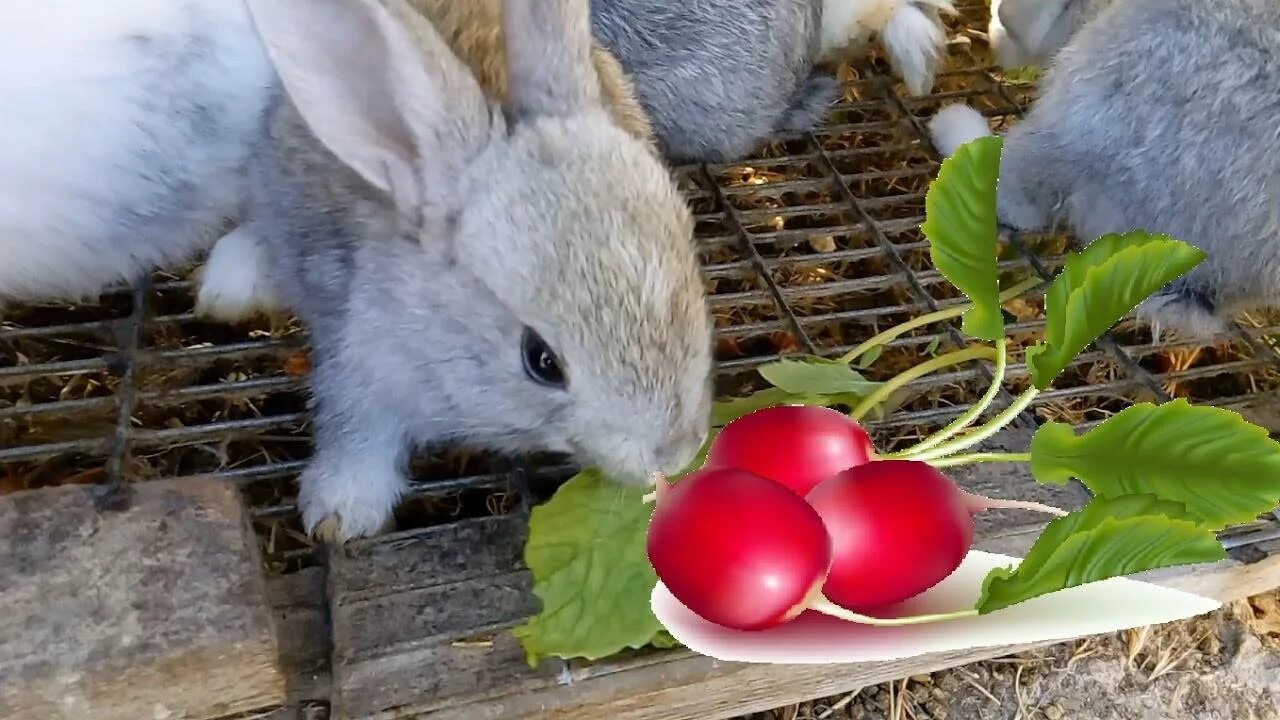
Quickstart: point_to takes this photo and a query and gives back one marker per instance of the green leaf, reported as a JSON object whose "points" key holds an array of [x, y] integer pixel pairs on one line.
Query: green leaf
{"points": [[664, 641], [1098, 286], [960, 224], [816, 376], [1025, 75], [1222, 468], [726, 411], [586, 551], [870, 357], [1109, 537]]}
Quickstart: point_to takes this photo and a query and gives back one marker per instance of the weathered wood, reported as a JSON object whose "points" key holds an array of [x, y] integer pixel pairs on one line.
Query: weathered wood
{"points": [[420, 618], [302, 626], [158, 610], [1012, 481]]}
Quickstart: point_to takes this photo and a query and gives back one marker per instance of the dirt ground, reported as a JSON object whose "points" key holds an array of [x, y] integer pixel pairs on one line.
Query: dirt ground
{"points": [[1224, 666]]}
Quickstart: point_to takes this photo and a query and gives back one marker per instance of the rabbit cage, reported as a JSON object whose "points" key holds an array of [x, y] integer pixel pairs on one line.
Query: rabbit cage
{"points": [[811, 246]]}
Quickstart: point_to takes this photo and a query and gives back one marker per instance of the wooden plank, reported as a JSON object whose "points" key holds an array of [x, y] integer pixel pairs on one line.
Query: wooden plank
{"points": [[157, 610], [420, 618]]}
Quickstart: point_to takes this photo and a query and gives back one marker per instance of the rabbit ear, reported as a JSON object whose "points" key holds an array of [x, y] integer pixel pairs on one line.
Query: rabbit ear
{"points": [[381, 91], [548, 46], [1028, 22]]}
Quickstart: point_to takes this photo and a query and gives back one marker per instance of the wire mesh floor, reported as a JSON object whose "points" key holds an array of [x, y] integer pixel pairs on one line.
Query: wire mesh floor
{"points": [[810, 247]]}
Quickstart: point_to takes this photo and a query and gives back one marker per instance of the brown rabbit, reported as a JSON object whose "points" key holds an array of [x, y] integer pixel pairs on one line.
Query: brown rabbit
{"points": [[473, 29]]}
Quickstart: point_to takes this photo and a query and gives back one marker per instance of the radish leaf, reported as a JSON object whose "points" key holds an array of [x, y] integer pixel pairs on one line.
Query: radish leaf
{"points": [[960, 224], [870, 357], [586, 550], [816, 376], [725, 412], [1109, 537], [1098, 286], [1222, 468]]}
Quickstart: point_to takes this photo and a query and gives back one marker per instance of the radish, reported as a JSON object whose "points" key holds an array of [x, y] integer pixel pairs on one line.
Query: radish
{"points": [[897, 527], [737, 549], [797, 446]]}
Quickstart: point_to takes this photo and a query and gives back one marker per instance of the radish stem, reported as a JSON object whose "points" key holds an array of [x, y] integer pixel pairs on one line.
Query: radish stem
{"points": [[887, 389], [978, 434], [973, 413], [979, 503], [894, 332], [954, 460], [660, 488], [826, 607]]}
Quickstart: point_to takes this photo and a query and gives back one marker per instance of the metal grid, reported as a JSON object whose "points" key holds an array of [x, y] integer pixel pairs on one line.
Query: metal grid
{"points": [[811, 247]]}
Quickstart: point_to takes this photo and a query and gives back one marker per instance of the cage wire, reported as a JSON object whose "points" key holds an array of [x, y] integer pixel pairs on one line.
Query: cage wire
{"points": [[811, 246]]}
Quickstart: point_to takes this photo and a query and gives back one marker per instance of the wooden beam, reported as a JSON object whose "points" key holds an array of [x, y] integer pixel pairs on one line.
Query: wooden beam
{"points": [[156, 610]]}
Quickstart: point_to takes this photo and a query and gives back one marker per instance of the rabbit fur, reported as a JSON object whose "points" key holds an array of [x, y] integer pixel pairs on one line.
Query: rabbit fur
{"points": [[473, 29], [717, 78], [1031, 32], [911, 32], [1163, 116], [436, 244]]}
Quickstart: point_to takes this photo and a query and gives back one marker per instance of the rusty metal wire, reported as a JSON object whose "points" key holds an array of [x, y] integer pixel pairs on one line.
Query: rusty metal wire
{"points": [[810, 247]]}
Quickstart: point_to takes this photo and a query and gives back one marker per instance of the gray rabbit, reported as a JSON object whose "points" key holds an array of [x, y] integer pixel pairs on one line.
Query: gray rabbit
{"points": [[520, 276], [1164, 116], [718, 77], [1031, 32]]}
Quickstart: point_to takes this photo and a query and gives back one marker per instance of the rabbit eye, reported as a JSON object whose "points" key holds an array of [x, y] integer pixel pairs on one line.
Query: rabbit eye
{"points": [[540, 363]]}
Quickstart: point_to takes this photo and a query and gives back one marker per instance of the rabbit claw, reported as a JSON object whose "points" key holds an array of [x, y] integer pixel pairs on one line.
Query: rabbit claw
{"points": [[332, 531]]}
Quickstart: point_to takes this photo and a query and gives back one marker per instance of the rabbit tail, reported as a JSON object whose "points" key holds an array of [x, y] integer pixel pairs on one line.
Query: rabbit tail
{"points": [[811, 102], [955, 125], [915, 40]]}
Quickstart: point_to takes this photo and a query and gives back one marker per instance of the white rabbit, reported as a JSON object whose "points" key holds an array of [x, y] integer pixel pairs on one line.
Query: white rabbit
{"points": [[911, 32], [521, 276], [123, 137], [1164, 116]]}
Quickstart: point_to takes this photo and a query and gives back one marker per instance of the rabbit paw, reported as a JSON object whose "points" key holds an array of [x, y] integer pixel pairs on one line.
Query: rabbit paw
{"points": [[1185, 308], [233, 282], [342, 503]]}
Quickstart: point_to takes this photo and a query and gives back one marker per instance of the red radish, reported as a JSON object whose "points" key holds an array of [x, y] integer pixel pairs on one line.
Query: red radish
{"points": [[898, 527], [739, 550], [797, 446]]}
